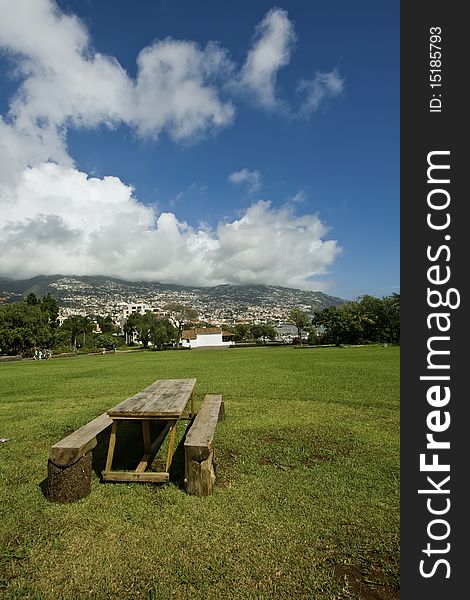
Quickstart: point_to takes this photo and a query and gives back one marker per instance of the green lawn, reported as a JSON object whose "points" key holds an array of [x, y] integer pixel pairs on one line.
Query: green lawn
{"points": [[306, 503]]}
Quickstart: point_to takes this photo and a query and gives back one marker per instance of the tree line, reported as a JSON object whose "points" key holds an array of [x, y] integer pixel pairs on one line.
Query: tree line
{"points": [[34, 323], [367, 320]]}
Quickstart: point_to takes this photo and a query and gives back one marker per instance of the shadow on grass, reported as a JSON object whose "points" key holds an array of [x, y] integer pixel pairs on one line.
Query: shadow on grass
{"points": [[177, 465], [129, 447], [43, 487], [129, 450]]}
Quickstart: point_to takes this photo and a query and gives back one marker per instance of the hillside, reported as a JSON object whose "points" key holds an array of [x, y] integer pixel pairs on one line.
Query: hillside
{"points": [[101, 294]]}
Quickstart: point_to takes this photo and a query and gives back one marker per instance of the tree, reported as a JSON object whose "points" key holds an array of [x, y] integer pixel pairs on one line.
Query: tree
{"points": [[50, 307], [130, 327], [162, 332], [133, 328], [301, 320], [61, 340], [366, 320], [380, 317], [106, 324], [78, 325], [181, 315], [312, 337], [241, 331], [108, 341], [391, 318], [335, 322], [86, 325], [264, 332], [23, 326], [32, 299], [144, 327]]}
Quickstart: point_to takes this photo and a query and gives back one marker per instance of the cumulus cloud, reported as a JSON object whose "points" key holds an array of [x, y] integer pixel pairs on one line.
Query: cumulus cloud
{"points": [[64, 82], [22, 147], [172, 90], [251, 178], [59, 220], [178, 89], [292, 247], [56, 219], [271, 49]]}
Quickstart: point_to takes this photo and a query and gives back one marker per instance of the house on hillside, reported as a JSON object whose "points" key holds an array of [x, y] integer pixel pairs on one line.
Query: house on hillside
{"points": [[203, 337]]}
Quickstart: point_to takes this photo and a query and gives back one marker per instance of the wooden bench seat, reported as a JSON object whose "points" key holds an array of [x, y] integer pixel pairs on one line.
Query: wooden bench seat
{"points": [[199, 453], [69, 468], [78, 443]]}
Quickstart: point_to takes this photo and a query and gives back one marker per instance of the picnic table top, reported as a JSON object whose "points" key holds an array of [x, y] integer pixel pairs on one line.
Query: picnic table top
{"points": [[165, 399]]}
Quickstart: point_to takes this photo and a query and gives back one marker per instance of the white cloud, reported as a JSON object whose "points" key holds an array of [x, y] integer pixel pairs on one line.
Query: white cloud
{"points": [[178, 89], [274, 246], [59, 220], [298, 197], [316, 90], [20, 148], [55, 219], [272, 47], [251, 178], [64, 82], [172, 90]]}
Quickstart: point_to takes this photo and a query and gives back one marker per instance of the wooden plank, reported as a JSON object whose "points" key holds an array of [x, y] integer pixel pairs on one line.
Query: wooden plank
{"points": [[199, 454], [173, 400], [171, 443], [135, 403], [132, 476], [144, 463], [74, 446], [165, 398], [112, 444], [201, 433], [148, 457]]}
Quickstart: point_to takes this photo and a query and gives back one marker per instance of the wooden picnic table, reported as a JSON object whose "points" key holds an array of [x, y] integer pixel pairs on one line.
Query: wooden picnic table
{"points": [[163, 401]]}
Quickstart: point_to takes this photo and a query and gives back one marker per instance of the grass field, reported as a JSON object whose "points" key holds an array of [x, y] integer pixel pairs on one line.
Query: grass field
{"points": [[307, 497]]}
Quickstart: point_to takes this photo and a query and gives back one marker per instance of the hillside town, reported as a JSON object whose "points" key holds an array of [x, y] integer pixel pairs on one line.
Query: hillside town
{"points": [[220, 305], [68, 313]]}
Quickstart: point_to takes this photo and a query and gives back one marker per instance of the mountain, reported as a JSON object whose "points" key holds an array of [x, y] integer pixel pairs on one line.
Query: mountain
{"points": [[103, 294]]}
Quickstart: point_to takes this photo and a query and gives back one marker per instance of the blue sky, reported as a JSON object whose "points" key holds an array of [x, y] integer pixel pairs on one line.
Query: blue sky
{"points": [[202, 143]]}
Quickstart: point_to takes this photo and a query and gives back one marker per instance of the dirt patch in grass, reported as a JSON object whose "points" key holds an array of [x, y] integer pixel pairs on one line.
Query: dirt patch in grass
{"points": [[224, 462], [228, 457], [306, 449], [271, 439], [375, 584]]}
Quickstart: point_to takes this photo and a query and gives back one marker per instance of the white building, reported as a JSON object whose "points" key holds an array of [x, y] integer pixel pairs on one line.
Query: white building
{"points": [[140, 308], [206, 337], [126, 310]]}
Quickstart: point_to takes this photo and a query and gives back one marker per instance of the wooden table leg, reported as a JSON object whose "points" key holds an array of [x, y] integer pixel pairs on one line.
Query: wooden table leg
{"points": [[171, 443], [146, 434], [112, 444]]}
